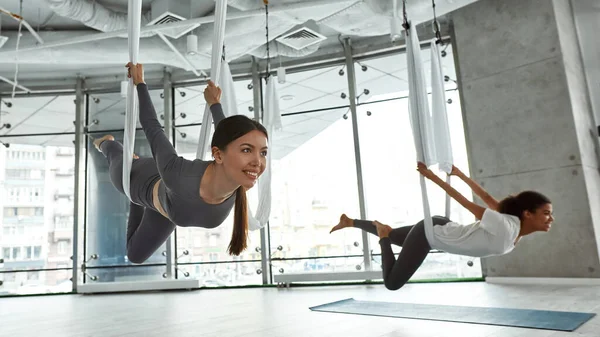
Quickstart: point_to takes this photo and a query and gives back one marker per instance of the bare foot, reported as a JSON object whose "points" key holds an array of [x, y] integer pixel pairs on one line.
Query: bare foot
{"points": [[383, 231], [135, 156], [344, 222], [99, 141]]}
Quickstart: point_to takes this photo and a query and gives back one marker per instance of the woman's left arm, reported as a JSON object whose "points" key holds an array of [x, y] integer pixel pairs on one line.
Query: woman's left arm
{"points": [[472, 207], [163, 151]]}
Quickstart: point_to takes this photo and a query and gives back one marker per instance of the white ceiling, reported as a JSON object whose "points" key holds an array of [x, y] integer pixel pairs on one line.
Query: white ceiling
{"points": [[314, 89], [358, 19]]}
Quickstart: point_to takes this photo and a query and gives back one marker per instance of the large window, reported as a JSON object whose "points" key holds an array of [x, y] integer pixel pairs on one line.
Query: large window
{"points": [[392, 184], [107, 208], [314, 181], [202, 253], [314, 176], [36, 185]]}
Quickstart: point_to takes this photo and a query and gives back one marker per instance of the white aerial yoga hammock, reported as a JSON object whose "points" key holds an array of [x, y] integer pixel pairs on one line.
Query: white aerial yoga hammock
{"points": [[134, 18], [221, 76], [228, 97], [424, 132], [271, 121], [215, 74], [441, 130]]}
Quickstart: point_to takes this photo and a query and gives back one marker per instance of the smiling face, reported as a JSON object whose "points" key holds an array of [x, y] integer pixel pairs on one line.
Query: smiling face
{"points": [[539, 220], [244, 159]]}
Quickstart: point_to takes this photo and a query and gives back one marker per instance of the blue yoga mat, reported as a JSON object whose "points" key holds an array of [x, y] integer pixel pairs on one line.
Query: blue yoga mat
{"points": [[522, 318]]}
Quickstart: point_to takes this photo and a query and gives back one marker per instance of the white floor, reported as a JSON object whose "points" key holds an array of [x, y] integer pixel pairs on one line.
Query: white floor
{"points": [[284, 312]]}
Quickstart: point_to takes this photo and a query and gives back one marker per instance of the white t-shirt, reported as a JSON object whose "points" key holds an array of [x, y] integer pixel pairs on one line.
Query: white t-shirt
{"points": [[494, 234]]}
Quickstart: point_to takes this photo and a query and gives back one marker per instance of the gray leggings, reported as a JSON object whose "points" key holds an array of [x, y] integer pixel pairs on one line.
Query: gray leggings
{"points": [[415, 248], [147, 229]]}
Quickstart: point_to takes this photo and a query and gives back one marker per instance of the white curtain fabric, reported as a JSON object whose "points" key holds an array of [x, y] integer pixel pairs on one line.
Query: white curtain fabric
{"points": [[272, 122], [228, 97], [441, 130], [420, 118], [272, 117], [134, 18], [215, 74], [430, 130]]}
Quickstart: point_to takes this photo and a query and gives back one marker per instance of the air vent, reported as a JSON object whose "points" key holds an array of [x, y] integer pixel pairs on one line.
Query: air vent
{"points": [[301, 38], [168, 17]]}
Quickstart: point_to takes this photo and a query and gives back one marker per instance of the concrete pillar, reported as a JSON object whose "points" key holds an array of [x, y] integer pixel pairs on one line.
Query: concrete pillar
{"points": [[529, 125]]}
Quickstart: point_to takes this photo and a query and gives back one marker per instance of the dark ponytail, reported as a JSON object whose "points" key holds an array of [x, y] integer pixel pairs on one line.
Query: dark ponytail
{"points": [[239, 235], [524, 201]]}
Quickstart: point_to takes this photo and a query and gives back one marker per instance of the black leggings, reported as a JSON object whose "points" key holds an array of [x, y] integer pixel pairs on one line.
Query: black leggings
{"points": [[147, 229], [415, 248]]}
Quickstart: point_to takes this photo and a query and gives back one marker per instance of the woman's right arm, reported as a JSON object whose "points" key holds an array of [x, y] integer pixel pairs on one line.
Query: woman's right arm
{"points": [[212, 95], [477, 189]]}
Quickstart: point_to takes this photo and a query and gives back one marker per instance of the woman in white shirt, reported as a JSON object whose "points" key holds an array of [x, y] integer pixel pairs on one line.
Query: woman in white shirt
{"points": [[498, 229]]}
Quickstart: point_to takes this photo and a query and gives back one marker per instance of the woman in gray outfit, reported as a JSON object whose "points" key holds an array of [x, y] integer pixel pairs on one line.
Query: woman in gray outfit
{"points": [[168, 190]]}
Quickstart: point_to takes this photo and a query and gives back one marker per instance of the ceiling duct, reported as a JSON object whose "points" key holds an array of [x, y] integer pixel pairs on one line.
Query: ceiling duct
{"points": [[168, 11], [301, 38]]}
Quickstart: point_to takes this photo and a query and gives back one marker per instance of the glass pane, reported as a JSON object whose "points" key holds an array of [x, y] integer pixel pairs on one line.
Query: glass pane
{"points": [[392, 185], [202, 244], [36, 282], [107, 111], [314, 89], [388, 75], [108, 211], [448, 266], [314, 181], [125, 274], [223, 274], [36, 202], [324, 265], [210, 244], [33, 115], [190, 104]]}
